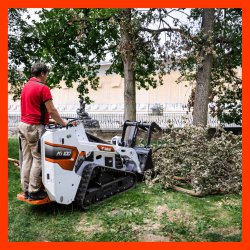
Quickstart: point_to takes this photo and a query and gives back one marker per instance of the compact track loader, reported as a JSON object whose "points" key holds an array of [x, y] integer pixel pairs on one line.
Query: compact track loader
{"points": [[80, 167]]}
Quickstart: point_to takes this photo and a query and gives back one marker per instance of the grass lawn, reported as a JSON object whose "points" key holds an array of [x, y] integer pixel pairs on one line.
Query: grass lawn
{"points": [[141, 214]]}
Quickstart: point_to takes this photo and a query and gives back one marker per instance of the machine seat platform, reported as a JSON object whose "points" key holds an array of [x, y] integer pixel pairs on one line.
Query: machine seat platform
{"points": [[37, 202]]}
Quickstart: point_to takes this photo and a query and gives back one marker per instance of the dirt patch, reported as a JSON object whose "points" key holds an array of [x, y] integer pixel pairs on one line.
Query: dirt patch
{"points": [[230, 201], [155, 226], [171, 214], [86, 227], [147, 220], [90, 228], [164, 208], [187, 215], [151, 225], [161, 209], [115, 211], [176, 212], [230, 231], [153, 238]]}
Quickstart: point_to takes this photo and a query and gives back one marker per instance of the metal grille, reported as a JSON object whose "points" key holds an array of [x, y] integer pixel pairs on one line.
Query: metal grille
{"points": [[115, 121]]}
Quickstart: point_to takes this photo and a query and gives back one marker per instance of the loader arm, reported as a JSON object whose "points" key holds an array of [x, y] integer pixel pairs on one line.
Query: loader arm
{"points": [[150, 127]]}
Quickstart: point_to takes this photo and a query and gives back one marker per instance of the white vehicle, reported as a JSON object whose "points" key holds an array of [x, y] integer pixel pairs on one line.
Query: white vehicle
{"points": [[80, 167]]}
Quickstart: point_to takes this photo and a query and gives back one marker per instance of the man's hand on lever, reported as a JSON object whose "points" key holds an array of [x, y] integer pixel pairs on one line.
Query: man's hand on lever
{"points": [[52, 121]]}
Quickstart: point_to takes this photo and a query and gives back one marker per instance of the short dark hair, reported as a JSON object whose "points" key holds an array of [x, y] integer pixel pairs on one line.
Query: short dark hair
{"points": [[38, 68]]}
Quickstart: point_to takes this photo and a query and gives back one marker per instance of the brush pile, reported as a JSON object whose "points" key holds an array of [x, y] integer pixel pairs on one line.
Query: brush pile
{"points": [[187, 157]]}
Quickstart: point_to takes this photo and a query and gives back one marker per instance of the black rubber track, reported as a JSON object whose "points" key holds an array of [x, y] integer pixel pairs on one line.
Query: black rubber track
{"points": [[86, 174]]}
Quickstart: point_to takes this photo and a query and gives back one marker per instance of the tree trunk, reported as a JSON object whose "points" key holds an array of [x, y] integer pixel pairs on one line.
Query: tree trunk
{"points": [[129, 92], [182, 190], [204, 72], [129, 74]]}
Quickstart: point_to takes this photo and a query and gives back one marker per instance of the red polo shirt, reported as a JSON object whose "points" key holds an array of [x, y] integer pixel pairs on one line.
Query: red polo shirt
{"points": [[33, 97]]}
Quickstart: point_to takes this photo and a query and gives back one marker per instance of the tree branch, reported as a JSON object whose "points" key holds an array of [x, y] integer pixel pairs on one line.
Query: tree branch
{"points": [[16, 163], [167, 25], [105, 49], [185, 191], [217, 17], [218, 40], [160, 30], [94, 19], [181, 11]]}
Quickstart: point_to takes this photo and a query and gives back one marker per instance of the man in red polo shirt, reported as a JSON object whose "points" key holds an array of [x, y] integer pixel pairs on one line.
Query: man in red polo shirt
{"points": [[36, 108]]}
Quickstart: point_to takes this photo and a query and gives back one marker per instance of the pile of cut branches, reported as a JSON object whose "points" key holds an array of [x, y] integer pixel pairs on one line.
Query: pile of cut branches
{"points": [[187, 157]]}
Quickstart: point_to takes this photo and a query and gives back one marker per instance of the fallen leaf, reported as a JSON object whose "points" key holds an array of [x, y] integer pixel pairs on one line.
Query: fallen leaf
{"points": [[219, 203]]}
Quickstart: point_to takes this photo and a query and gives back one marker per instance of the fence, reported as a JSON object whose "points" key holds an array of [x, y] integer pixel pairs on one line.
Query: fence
{"points": [[112, 121]]}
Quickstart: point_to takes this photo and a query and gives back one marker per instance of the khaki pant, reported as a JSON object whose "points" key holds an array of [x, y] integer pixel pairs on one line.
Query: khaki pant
{"points": [[31, 165]]}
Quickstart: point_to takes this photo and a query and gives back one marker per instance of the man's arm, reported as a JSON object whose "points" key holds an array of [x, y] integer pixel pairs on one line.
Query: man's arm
{"points": [[54, 113]]}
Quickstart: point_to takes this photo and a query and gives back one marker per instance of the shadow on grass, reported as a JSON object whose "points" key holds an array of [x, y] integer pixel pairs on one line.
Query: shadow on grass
{"points": [[214, 237]]}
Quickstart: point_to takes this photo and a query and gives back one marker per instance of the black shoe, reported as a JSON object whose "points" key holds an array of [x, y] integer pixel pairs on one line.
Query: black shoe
{"points": [[40, 195], [26, 195]]}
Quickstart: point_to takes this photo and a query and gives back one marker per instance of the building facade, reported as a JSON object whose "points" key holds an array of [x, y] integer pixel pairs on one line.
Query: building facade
{"points": [[109, 96]]}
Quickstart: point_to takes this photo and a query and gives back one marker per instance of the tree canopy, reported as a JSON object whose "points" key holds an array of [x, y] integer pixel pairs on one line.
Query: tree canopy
{"points": [[68, 39], [225, 44]]}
